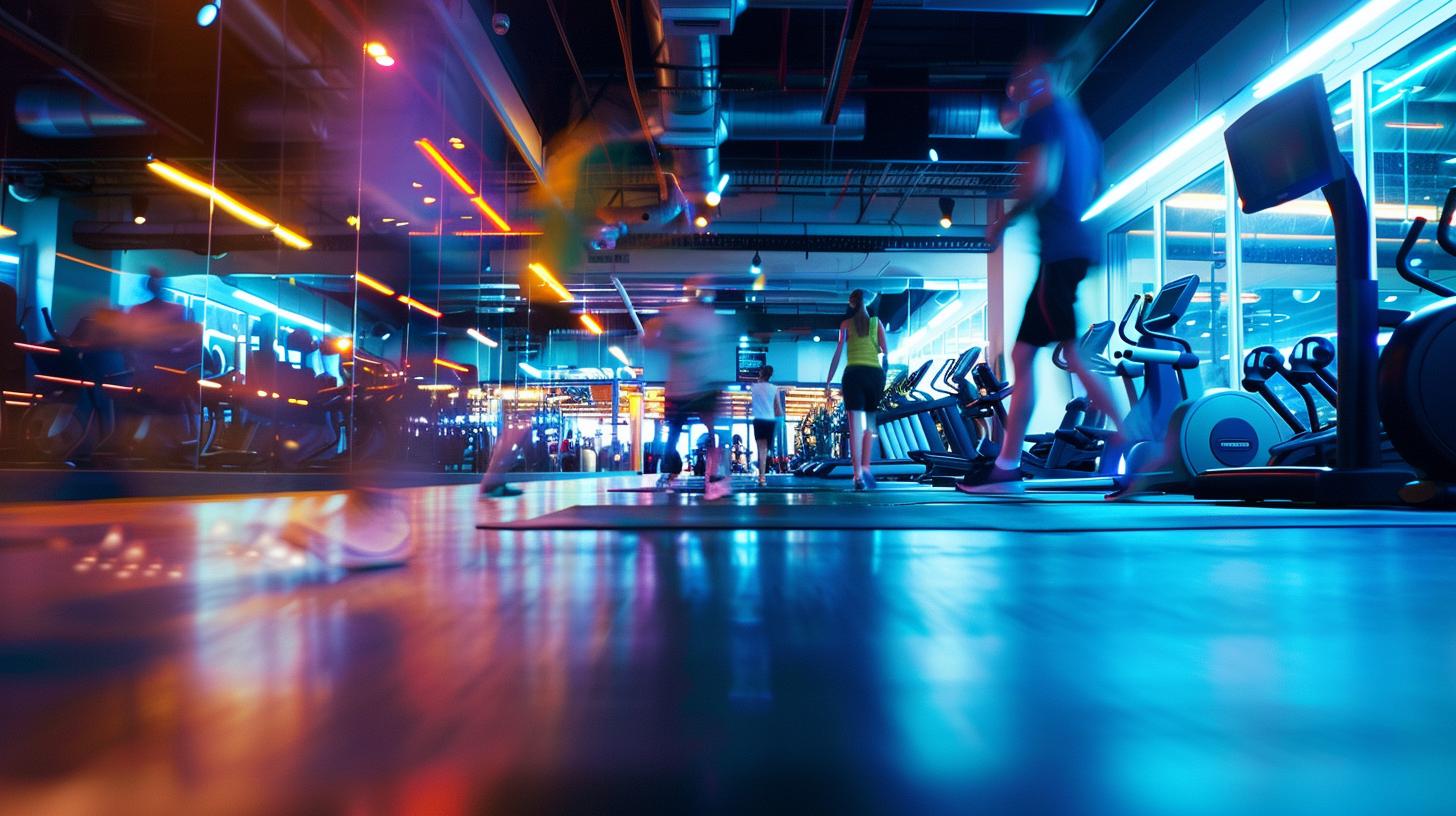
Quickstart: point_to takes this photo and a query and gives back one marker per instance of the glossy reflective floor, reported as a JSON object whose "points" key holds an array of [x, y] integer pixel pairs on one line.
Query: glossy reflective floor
{"points": [[166, 656]]}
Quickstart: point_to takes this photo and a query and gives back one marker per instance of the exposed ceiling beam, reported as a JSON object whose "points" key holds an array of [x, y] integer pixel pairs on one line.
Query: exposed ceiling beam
{"points": [[851, 37], [477, 50]]}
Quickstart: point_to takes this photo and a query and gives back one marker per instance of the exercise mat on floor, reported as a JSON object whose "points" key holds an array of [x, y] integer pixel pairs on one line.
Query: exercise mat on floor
{"points": [[1010, 516]]}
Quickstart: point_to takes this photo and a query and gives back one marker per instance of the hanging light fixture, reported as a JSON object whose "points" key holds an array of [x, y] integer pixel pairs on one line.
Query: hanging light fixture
{"points": [[947, 206], [755, 266]]}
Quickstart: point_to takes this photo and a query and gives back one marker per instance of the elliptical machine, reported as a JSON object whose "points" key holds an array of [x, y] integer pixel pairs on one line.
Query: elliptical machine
{"points": [[1416, 389]]}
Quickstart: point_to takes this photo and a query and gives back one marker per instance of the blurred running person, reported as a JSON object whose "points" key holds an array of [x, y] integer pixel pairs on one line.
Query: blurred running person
{"points": [[863, 385], [691, 335], [768, 406], [1061, 163]]}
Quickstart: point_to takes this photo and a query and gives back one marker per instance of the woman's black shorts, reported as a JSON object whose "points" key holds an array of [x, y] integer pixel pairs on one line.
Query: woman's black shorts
{"points": [[763, 430], [863, 387]]}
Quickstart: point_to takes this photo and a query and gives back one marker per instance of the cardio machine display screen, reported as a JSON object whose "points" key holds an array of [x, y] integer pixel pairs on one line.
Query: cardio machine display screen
{"points": [[1172, 302], [1284, 147]]}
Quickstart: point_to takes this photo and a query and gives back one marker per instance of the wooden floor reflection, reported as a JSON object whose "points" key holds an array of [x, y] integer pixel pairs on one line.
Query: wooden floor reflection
{"points": [[178, 657]]}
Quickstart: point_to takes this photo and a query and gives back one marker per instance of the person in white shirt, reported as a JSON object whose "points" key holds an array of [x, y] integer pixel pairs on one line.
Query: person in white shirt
{"points": [[768, 406]]}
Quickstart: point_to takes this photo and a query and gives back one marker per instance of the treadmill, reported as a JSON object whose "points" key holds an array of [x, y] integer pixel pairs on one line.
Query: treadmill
{"points": [[1280, 150]]}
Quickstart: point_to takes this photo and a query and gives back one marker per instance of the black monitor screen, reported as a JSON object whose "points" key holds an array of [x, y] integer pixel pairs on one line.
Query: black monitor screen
{"points": [[1284, 147], [1172, 301]]}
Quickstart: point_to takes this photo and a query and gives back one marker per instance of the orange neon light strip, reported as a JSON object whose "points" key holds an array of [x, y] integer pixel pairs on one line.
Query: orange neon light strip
{"points": [[489, 233], [84, 262], [115, 387], [25, 394], [169, 369], [35, 348], [415, 304], [227, 203], [450, 365], [63, 380], [373, 284], [438, 159], [6, 232], [490, 213], [209, 384], [551, 282], [591, 324]]}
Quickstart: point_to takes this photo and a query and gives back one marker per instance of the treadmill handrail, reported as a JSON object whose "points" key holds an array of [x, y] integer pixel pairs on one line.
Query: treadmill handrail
{"points": [[1402, 255], [1127, 317]]}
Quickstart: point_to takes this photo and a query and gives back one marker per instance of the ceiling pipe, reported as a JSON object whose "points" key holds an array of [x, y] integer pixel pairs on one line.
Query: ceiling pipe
{"points": [[293, 59], [777, 117], [851, 37], [967, 116]]}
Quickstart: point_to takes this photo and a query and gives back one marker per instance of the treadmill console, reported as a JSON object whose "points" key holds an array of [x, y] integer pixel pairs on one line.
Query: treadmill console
{"points": [[1284, 147]]}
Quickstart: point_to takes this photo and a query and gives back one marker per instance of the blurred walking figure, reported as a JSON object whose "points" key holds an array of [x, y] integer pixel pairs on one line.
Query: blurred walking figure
{"points": [[767, 402], [1061, 165], [692, 336], [864, 382]]}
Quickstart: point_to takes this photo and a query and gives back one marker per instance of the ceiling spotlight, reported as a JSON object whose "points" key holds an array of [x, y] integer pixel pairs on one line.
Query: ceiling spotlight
{"points": [[934, 155], [139, 206], [817, 338], [430, 199], [417, 185], [947, 206], [385, 61], [713, 198], [207, 15], [701, 221], [458, 145], [376, 50], [755, 266]]}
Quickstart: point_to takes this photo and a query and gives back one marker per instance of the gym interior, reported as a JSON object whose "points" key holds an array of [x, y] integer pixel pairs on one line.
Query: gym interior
{"points": [[357, 453]]}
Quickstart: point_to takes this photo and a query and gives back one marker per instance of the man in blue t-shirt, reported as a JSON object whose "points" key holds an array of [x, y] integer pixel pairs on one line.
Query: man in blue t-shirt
{"points": [[1061, 162]]}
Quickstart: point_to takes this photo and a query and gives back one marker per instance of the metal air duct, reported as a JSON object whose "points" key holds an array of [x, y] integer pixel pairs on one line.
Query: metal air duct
{"points": [[962, 115], [755, 117], [67, 112]]}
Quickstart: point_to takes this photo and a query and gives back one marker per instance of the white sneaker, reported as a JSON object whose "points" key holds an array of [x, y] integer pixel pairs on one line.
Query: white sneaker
{"points": [[368, 529]]}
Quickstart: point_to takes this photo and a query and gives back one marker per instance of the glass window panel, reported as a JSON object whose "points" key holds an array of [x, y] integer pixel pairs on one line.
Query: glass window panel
{"points": [[1412, 113], [1287, 270], [1131, 262], [1194, 244]]}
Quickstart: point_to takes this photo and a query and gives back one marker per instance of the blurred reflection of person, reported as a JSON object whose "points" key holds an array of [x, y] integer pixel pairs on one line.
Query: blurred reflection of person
{"points": [[1061, 164], [691, 335]]}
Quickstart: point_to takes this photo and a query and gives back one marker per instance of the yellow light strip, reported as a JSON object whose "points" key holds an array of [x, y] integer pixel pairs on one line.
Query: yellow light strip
{"points": [[438, 159], [231, 205], [490, 213], [373, 284], [591, 324], [83, 262], [6, 232], [415, 304], [209, 384], [551, 282], [450, 365]]}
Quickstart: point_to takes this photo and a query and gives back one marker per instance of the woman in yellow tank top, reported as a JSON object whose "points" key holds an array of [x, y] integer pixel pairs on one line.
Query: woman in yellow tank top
{"points": [[863, 384]]}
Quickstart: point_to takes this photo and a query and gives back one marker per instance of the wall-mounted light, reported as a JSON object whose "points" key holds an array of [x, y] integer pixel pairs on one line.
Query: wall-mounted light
{"points": [[947, 206]]}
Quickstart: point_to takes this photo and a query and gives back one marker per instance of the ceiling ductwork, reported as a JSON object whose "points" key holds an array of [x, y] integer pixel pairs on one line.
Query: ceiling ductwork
{"points": [[962, 115], [789, 118], [1061, 8], [292, 59], [68, 112]]}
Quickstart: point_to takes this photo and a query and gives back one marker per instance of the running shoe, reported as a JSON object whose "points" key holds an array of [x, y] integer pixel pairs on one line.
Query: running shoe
{"points": [[368, 529], [500, 491], [869, 480], [715, 489], [989, 478]]}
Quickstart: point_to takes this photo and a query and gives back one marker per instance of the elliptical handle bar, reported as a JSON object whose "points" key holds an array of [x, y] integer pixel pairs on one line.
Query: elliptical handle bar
{"points": [[1171, 338], [1443, 229], [1402, 255], [1127, 317]]}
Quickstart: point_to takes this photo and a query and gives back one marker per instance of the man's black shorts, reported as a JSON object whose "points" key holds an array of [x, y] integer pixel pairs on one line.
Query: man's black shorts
{"points": [[1051, 311], [680, 407]]}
